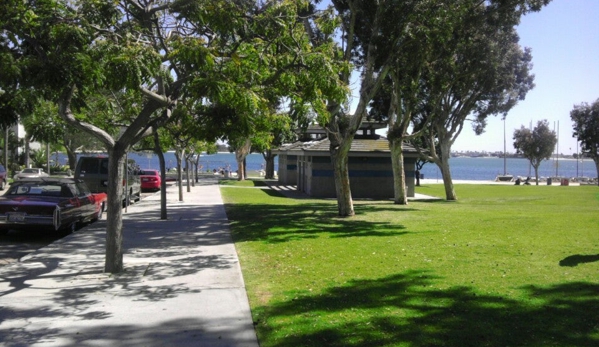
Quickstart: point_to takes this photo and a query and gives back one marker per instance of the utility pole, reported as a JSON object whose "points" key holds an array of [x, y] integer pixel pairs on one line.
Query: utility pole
{"points": [[529, 164]]}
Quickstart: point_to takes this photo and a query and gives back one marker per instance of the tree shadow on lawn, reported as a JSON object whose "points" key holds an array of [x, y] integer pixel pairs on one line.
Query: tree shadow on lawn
{"points": [[406, 309], [283, 223], [575, 260]]}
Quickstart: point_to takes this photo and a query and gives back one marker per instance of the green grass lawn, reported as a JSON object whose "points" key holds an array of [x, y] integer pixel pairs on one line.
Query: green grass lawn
{"points": [[503, 266]]}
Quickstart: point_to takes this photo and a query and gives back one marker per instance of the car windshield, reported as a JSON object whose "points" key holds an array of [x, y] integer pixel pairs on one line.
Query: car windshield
{"points": [[30, 171], [40, 189]]}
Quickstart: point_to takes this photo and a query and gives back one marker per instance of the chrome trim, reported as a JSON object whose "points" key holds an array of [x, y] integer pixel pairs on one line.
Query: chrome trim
{"points": [[56, 218]]}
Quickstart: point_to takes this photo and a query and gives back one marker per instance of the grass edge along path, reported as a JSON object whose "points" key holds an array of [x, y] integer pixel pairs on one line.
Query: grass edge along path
{"points": [[503, 266]]}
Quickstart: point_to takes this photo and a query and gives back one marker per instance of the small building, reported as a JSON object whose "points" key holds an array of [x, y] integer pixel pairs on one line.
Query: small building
{"points": [[307, 164]]}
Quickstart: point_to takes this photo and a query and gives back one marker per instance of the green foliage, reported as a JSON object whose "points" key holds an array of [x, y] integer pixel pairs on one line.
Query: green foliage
{"points": [[128, 64], [498, 268], [44, 124], [39, 158]]}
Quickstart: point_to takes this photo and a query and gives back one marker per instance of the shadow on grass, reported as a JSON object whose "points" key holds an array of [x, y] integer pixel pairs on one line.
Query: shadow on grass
{"points": [[406, 309], [282, 223], [575, 260]]}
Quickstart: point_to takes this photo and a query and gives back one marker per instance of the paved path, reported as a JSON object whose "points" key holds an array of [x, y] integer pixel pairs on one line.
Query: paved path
{"points": [[182, 284]]}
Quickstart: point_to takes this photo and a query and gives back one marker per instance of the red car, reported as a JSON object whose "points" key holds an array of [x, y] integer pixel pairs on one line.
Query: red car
{"points": [[150, 180], [59, 203]]}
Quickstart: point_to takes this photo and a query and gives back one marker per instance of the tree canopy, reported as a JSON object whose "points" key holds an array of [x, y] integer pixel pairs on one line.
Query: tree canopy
{"points": [[586, 129]]}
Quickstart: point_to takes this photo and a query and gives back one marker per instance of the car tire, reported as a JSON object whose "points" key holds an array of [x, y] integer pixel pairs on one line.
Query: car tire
{"points": [[72, 228], [99, 215]]}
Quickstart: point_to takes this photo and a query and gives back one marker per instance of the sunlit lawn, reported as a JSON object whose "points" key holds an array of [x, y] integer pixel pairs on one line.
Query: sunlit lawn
{"points": [[503, 266]]}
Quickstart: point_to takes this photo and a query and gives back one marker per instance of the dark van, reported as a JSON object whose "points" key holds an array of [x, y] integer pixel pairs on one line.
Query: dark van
{"points": [[93, 171]]}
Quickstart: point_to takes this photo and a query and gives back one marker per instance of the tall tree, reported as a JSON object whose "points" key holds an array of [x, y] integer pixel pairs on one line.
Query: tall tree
{"points": [[362, 26], [536, 145], [482, 71], [586, 129], [418, 57]]}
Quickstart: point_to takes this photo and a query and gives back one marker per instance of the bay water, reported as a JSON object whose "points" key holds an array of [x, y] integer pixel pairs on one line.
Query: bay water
{"points": [[488, 168], [462, 168]]}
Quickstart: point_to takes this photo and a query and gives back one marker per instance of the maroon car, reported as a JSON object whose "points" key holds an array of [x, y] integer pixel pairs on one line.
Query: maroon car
{"points": [[58, 203]]}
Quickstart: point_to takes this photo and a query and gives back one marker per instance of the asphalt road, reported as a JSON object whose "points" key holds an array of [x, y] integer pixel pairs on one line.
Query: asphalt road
{"points": [[16, 244]]}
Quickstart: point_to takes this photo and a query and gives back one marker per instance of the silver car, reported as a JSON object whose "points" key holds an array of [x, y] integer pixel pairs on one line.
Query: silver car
{"points": [[30, 173]]}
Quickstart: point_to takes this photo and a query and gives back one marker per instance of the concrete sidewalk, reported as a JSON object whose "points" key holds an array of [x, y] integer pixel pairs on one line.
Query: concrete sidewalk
{"points": [[182, 284]]}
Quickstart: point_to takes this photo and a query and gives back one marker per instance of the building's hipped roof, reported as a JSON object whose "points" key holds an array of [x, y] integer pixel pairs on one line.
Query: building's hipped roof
{"points": [[359, 146], [370, 125]]}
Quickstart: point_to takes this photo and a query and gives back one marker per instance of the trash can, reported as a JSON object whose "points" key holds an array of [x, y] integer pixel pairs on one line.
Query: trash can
{"points": [[565, 182], [549, 181]]}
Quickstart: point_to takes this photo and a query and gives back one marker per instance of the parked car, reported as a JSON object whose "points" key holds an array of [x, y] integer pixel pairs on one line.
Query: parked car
{"points": [[58, 203], [30, 173], [150, 180], [93, 171], [2, 177]]}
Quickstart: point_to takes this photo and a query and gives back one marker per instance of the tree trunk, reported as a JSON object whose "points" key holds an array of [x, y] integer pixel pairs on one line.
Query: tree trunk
{"points": [[596, 160], [194, 173], [536, 173], [187, 175], [48, 157], [240, 154], [72, 157], [5, 150], [269, 170], [27, 160], [400, 192], [179, 154], [114, 211], [345, 205], [158, 151], [443, 165]]}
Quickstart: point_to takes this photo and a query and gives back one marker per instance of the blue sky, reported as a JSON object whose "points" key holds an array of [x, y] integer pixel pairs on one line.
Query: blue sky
{"points": [[564, 37]]}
